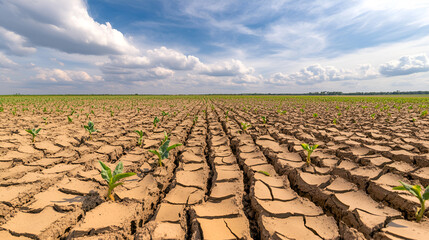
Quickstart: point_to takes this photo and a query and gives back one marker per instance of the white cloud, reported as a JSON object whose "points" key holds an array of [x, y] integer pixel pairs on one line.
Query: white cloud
{"points": [[171, 59], [406, 65], [5, 62], [64, 25], [14, 43], [227, 68], [65, 76], [317, 74]]}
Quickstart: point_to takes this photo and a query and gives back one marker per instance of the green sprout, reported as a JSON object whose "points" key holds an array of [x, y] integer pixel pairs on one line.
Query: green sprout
{"points": [[245, 126], [112, 179], [309, 149], [281, 112], [373, 116], [163, 115], [69, 119], [226, 115], [315, 115], [33, 132], [416, 190], [140, 133], [45, 119], [424, 113], [90, 128], [164, 149], [334, 121], [264, 119], [155, 122], [195, 120], [264, 172]]}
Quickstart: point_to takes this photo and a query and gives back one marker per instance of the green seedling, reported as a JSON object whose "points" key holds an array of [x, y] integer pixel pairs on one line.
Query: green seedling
{"points": [[281, 112], [195, 120], [315, 115], [45, 119], [90, 128], [416, 190], [155, 122], [264, 119], [309, 149], [112, 179], [334, 121], [424, 113], [264, 172], [33, 132], [373, 116], [69, 119], [140, 140], [163, 115], [164, 149], [245, 126], [226, 115]]}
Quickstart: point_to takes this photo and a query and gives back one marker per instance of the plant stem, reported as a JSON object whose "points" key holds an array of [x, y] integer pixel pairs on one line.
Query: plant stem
{"points": [[419, 216], [160, 162], [109, 194], [308, 159]]}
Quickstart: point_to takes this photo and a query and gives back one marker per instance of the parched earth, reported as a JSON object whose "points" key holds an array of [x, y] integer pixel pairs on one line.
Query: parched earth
{"points": [[223, 182]]}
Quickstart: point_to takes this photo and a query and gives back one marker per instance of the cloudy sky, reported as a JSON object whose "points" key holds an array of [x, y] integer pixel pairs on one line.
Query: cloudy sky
{"points": [[212, 46]]}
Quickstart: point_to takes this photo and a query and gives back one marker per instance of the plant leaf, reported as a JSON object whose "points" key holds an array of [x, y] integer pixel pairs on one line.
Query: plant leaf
{"points": [[409, 188], [119, 169], [173, 146], [156, 153], [107, 169], [112, 186], [264, 172], [122, 175], [105, 175], [426, 193]]}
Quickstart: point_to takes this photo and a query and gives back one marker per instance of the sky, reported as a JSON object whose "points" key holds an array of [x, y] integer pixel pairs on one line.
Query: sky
{"points": [[212, 46]]}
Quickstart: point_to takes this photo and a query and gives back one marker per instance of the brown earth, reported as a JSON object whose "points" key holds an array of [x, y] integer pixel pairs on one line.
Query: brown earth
{"points": [[224, 182]]}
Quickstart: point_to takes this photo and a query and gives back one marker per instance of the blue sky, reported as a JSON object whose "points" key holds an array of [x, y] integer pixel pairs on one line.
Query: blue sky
{"points": [[189, 46]]}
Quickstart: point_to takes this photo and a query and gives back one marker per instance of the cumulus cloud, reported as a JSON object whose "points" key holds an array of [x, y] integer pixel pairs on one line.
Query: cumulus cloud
{"points": [[172, 59], [317, 73], [14, 44], [68, 27], [405, 65], [65, 76], [227, 68]]}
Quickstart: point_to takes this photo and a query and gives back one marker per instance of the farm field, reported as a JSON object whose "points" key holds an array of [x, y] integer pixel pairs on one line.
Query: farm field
{"points": [[240, 173]]}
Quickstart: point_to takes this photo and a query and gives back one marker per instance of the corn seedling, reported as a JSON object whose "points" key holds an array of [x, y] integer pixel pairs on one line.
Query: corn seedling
{"points": [[45, 119], [140, 140], [315, 115], [424, 113], [264, 172], [226, 115], [163, 115], [195, 120], [334, 121], [245, 126], [69, 119], [309, 149], [264, 119], [113, 178], [416, 190], [90, 128], [164, 149], [155, 122], [33, 132]]}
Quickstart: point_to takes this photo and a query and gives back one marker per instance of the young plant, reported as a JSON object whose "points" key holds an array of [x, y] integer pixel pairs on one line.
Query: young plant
{"points": [[163, 115], [155, 122], [69, 119], [264, 119], [245, 126], [315, 115], [195, 120], [334, 121], [164, 149], [45, 119], [140, 133], [309, 149], [226, 115], [112, 179], [416, 190], [33, 132], [90, 128]]}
